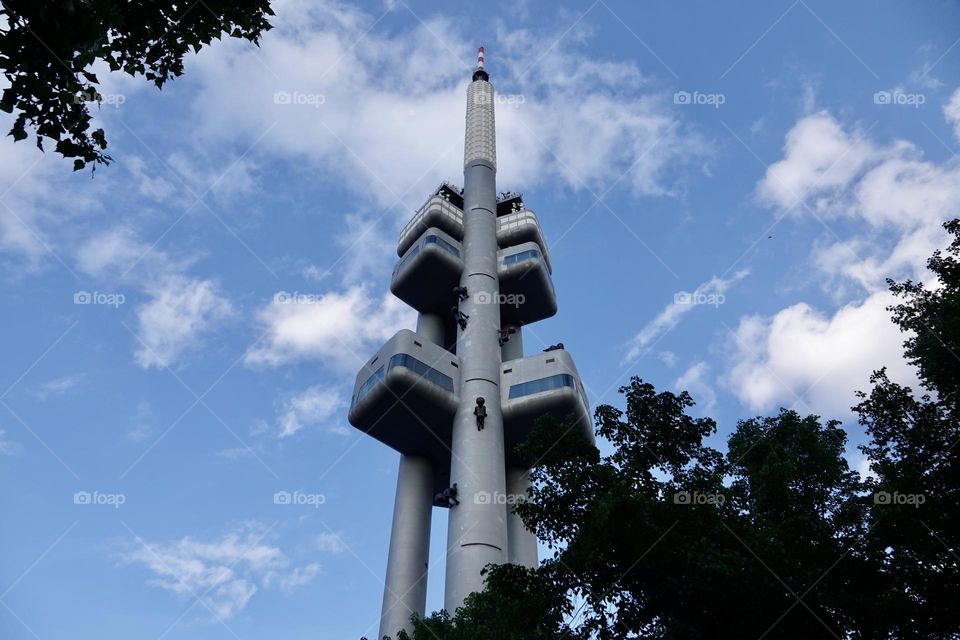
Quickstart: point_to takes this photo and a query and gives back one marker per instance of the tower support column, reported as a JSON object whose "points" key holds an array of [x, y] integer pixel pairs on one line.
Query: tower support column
{"points": [[513, 347], [430, 326], [405, 586], [522, 543]]}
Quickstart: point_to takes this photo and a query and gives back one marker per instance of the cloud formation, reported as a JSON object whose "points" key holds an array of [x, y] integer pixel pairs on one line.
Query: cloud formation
{"points": [[223, 573], [337, 328], [707, 293], [815, 358]]}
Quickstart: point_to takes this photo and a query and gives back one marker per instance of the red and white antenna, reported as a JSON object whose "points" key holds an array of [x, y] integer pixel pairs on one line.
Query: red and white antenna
{"points": [[480, 73]]}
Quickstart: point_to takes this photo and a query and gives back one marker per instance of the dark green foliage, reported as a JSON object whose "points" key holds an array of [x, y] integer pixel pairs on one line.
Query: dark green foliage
{"points": [[48, 47], [932, 315], [525, 605]]}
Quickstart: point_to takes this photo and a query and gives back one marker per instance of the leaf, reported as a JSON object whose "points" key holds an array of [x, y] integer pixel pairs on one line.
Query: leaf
{"points": [[18, 131]]}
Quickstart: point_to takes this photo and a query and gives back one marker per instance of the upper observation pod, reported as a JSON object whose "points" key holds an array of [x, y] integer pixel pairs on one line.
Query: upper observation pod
{"points": [[481, 137]]}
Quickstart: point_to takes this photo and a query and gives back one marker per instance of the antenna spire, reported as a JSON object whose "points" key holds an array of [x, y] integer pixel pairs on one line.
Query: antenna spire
{"points": [[480, 73]]}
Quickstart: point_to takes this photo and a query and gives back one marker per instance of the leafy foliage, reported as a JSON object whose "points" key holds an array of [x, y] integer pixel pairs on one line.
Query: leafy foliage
{"points": [[49, 46]]}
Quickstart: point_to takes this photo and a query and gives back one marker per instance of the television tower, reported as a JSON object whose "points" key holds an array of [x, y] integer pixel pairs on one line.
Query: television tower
{"points": [[457, 395]]}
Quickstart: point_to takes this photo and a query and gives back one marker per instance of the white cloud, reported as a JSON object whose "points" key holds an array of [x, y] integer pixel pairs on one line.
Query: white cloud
{"points": [[386, 119], [711, 292], [225, 572], [695, 380], [143, 423], [57, 386], [819, 156], [8, 448], [951, 111], [330, 542], [861, 464], [313, 406], [181, 311], [110, 252], [803, 358], [337, 328]]}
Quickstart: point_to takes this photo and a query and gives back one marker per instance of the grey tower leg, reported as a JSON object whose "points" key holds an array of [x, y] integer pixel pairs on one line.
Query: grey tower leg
{"points": [[513, 347], [522, 542], [430, 326], [405, 586]]}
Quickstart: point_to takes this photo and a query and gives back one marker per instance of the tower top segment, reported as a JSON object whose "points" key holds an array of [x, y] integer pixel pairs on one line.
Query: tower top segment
{"points": [[480, 73]]}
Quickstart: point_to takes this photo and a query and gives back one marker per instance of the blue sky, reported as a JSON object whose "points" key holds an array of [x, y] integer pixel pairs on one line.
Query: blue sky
{"points": [[774, 160]]}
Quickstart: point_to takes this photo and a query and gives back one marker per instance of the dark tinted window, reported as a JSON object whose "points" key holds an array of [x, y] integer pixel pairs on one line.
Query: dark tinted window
{"points": [[541, 384]]}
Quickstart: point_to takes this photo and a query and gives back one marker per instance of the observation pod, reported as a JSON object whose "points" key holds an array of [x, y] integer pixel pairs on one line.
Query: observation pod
{"points": [[443, 210], [526, 288], [406, 395], [543, 384], [522, 226], [425, 276]]}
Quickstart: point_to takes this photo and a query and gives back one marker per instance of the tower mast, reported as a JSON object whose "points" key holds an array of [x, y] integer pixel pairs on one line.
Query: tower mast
{"points": [[477, 530]]}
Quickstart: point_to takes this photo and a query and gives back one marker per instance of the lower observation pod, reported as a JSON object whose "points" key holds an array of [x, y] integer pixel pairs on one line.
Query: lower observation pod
{"points": [[406, 397], [542, 384]]}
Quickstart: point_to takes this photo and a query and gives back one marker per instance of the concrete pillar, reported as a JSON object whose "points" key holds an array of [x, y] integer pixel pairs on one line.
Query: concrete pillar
{"points": [[430, 326], [477, 533], [405, 585], [512, 348], [521, 542]]}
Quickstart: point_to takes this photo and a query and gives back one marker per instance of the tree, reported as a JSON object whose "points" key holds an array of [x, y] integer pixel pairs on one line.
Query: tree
{"points": [[913, 449], [48, 47]]}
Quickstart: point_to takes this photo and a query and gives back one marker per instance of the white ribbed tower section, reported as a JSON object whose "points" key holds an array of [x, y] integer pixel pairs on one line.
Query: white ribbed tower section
{"points": [[477, 532]]}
